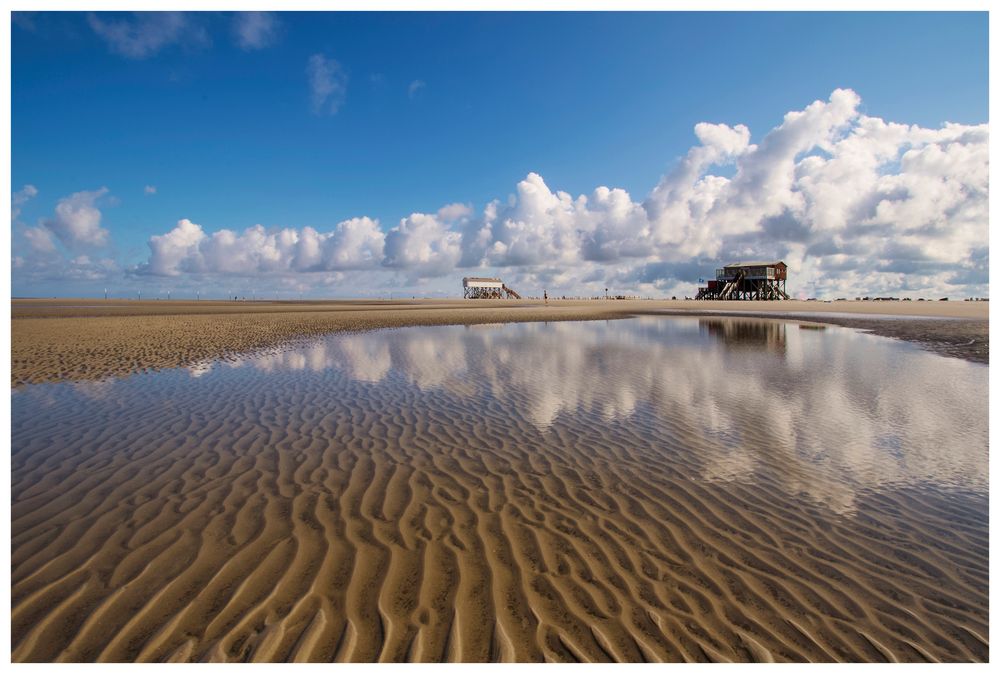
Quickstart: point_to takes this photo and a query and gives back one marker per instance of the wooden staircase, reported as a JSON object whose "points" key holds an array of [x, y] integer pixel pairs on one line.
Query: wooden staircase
{"points": [[732, 286], [775, 293], [511, 293]]}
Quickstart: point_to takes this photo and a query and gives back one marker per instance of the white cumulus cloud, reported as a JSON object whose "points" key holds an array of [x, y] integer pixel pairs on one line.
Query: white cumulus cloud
{"points": [[423, 245], [853, 203], [77, 220], [351, 245], [178, 246], [40, 239]]}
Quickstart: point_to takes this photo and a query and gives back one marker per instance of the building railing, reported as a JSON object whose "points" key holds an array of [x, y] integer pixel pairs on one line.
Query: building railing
{"points": [[769, 273]]}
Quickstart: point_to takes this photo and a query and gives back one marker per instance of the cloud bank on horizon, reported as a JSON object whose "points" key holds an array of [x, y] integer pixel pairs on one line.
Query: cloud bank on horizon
{"points": [[854, 204]]}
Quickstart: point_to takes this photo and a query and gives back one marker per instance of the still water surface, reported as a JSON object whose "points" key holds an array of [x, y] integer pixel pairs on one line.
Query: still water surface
{"points": [[685, 488]]}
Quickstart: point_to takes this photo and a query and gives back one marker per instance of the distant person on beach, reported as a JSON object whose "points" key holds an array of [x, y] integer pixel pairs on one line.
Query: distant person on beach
{"points": [[545, 294]]}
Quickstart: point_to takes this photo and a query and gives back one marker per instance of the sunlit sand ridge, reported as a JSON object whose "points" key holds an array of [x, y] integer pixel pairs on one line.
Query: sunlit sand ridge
{"points": [[655, 489]]}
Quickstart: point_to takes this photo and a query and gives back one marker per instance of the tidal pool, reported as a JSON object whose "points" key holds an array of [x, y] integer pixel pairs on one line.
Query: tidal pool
{"points": [[644, 489]]}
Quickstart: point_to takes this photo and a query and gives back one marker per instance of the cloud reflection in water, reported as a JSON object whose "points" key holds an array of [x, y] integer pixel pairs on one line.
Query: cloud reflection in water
{"points": [[823, 413]]}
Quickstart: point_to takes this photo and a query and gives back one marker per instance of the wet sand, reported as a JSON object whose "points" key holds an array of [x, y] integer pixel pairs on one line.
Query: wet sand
{"points": [[340, 521], [60, 340]]}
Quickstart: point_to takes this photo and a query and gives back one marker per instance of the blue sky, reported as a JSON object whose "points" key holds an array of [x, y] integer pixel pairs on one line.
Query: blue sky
{"points": [[422, 110]]}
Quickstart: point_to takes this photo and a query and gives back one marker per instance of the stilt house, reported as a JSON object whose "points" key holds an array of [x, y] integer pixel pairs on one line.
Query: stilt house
{"points": [[747, 281]]}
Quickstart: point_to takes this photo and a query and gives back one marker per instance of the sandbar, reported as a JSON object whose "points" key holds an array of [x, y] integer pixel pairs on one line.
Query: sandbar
{"points": [[88, 339]]}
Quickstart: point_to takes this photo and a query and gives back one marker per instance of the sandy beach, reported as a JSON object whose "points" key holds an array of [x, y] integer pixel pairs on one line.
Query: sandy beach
{"points": [[60, 339], [289, 509]]}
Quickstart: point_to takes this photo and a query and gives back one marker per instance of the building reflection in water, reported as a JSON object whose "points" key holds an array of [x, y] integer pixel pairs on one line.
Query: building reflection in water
{"points": [[746, 333]]}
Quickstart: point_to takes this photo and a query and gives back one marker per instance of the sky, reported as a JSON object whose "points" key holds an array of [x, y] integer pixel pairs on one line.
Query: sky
{"points": [[378, 154]]}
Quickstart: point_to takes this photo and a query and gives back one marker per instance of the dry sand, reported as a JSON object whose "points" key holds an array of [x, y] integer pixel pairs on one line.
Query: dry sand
{"points": [[350, 536], [58, 340]]}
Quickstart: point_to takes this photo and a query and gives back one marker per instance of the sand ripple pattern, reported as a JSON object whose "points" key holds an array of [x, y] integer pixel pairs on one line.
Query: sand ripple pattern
{"points": [[308, 516]]}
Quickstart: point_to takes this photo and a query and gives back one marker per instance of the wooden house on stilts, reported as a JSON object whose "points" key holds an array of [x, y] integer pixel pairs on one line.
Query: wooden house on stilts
{"points": [[476, 288], [747, 281]]}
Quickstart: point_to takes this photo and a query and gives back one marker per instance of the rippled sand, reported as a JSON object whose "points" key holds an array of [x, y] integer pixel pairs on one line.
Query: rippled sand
{"points": [[479, 494]]}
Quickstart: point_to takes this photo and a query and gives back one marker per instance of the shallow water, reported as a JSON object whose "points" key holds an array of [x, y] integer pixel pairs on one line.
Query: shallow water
{"points": [[651, 488]]}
